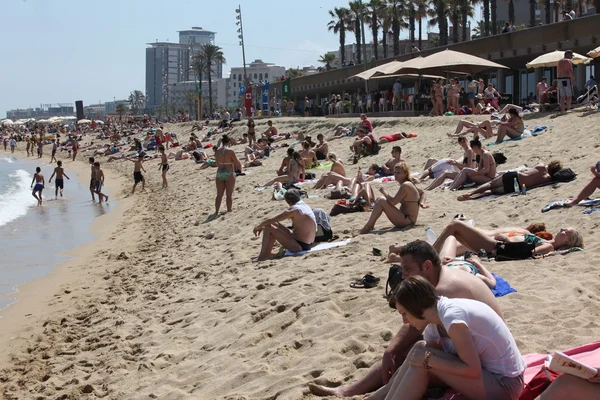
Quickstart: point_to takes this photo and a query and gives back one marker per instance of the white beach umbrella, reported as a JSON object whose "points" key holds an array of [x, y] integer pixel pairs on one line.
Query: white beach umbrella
{"points": [[100, 122], [551, 59], [379, 70], [449, 61], [7, 122], [84, 121], [594, 53]]}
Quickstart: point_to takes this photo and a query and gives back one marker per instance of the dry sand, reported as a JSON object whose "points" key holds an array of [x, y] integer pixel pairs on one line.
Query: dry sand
{"points": [[153, 309]]}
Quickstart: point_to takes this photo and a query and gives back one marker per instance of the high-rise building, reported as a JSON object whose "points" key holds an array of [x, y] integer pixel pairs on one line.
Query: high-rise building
{"points": [[169, 63]]}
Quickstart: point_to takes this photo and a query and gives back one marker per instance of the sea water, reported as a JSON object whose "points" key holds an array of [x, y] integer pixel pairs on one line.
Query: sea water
{"points": [[32, 238]]}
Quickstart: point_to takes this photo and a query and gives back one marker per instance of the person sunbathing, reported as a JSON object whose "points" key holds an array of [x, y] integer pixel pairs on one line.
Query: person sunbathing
{"points": [[468, 161], [475, 240], [569, 386], [486, 168], [484, 129], [296, 172], [299, 238], [508, 181], [408, 197], [418, 259], [392, 138], [363, 195], [588, 189], [513, 128], [332, 178]]}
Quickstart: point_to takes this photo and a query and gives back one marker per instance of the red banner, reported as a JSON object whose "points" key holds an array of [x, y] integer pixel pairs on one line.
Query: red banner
{"points": [[248, 100]]}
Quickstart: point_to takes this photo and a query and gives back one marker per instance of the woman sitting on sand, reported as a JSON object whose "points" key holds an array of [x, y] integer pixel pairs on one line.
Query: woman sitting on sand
{"points": [[468, 161], [227, 163], [361, 191], [504, 245], [337, 169], [284, 163], [466, 347], [513, 128], [295, 172], [408, 197]]}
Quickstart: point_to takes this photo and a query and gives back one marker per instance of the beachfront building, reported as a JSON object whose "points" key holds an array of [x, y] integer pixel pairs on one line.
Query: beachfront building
{"points": [[110, 107], [169, 63], [258, 71], [183, 95], [44, 111], [522, 12]]}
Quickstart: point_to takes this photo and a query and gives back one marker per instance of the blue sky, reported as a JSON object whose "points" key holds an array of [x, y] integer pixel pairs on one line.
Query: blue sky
{"points": [[59, 51]]}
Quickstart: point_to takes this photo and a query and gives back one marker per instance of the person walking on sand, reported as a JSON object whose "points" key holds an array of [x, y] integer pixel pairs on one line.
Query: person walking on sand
{"points": [[227, 163], [38, 179], [13, 144], [54, 148], [251, 132], [164, 166], [59, 183], [92, 191], [137, 172], [299, 238], [75, 148], [566, 80], [99, 182]]}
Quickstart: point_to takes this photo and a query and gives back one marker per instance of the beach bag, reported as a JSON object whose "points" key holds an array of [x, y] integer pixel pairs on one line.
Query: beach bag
{"points": [[500, 158], [309, 175], [564, 175], [510, 251], [538, 384], [393, 280]]}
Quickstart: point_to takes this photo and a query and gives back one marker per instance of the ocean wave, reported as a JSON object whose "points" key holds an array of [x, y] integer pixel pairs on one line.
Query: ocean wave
{"points": [[15, 202], [7, 159]]}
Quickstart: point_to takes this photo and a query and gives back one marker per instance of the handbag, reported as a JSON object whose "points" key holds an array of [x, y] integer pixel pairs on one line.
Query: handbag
{"points": [[393, 280]]}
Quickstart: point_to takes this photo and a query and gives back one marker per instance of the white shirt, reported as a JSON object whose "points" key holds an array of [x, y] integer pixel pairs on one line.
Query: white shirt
{"points": [[304, 209], [572, 14], [473, 85], [495, 344]]}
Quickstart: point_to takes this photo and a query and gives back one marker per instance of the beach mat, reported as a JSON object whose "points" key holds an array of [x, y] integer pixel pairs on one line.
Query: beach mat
{"points": [[319, 247], [561, 204], [502, 287]]}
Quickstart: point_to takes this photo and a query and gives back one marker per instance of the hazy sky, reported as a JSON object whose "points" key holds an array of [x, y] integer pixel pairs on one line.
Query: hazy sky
{"points": [[59, 51]]}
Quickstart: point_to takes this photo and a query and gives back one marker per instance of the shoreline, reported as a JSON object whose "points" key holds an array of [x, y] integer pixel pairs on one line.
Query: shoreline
{"points": [[38, 298]]}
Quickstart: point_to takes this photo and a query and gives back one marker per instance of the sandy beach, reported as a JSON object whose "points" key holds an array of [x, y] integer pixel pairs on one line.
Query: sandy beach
{"points": [[153, 309]]}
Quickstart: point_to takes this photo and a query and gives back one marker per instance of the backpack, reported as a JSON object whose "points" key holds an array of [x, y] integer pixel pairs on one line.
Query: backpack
{"points": [[564, 175], [500, 158], [393, 280]]}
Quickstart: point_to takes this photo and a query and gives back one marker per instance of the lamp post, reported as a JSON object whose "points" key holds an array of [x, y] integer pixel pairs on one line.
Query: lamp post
{"points": [[240, 31], [364, 45]]}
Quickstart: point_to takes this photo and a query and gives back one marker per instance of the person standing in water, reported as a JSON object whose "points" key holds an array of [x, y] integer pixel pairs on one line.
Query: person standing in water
{"points": [[59, 183], [164, 165], [227, 163], [99, 182], [92, 191], [38, 179]]}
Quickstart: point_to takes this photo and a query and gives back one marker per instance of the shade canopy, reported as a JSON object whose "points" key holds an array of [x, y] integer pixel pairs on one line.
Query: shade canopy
{"points": [[412, 76], [448, 61], [378, 70], [7, 122], [84, 121], [594, 53], [551, 59]]}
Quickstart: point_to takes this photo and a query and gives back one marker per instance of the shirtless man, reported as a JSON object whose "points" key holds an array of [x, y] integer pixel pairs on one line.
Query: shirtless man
{"points": [[299, 238], [38, 178], [137, 172], [271, 130], [486, 168], [566, 80], [322, 148], [163, 165], [505, 183], [99, 182], [418, 259], [91, 162], [284, 163], [59, 183], [54, 148], [388, 167], [309, 156]]}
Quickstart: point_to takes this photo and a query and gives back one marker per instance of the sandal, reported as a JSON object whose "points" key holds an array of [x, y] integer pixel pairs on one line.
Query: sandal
{"points": [[368, 281], [377, 252]]}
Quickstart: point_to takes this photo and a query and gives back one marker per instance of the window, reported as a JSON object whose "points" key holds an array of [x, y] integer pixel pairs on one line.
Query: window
{"points": [[239, 77], [233, 84], [260, 77], [266, 75]]}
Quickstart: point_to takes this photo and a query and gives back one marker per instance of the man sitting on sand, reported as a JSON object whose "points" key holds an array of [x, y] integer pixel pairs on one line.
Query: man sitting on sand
{"points": [[364, 144], [322, 148], [418, 259], [505, 183], [271, 130], [486, 168], [304, 227], [388, 167]]}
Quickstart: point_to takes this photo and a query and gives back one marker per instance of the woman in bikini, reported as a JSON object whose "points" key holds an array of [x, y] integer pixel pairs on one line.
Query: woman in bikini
{"points": [[432, 94], [471, 238], [439, 97], [227, 163], [295, 171], [408, 197], [513, 128], [468, 161]]}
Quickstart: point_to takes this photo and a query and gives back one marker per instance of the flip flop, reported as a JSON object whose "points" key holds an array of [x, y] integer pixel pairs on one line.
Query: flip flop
{"points": [[368, 281], [377, 252]]}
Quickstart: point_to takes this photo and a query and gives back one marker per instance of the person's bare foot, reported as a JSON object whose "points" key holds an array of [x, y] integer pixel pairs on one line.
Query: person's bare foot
{"points": [[464, 197], [393, 258], [365, 230], [319, 390]]}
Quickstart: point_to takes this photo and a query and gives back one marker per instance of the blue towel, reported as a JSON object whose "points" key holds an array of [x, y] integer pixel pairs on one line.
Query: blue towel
{"points": [[502, 287], [538, 129]]}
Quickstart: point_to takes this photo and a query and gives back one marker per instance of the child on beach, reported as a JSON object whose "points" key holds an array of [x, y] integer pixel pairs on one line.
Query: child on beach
{"points": [[38, 178], [137, 172], [59, 183], [91, 161], [99, 182], [164, 165]]}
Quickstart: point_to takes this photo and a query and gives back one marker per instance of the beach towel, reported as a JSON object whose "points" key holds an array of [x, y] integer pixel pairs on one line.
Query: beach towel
{"points": [[561, 203], [538, 130], [502, 287], [320, 246]]}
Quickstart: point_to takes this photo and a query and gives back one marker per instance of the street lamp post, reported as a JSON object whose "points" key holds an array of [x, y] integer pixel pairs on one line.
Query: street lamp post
{"points": [[364, 45], [241, 37]]}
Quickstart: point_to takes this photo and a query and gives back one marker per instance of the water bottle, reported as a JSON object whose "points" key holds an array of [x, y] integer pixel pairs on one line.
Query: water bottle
{"points": [[431, 236], [516, 185], [551, 128], [523, 189]]}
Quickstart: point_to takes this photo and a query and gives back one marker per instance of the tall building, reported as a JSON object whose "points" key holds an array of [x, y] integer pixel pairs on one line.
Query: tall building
{"points": [[169, 63]]}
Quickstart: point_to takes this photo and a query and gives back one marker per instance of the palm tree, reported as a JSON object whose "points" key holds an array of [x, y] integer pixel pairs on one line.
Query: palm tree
{"points": [[486, 18], [190, 99], [532, 4], [374, 14], [396, 8], [547, 12], [327, 59], [454, 14], [137, 100], [354, 26], [438, 14], [338, 25], [199, 67], [411, 12], [293, 73], [120, 110], [511, 10], [493, 16], [386, 24], [466, 11], [421, 8], [212, 55]]}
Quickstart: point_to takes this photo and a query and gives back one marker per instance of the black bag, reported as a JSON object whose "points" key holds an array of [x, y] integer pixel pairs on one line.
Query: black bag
{"points": [[309, 175], [393, 280], [510, 251], [564, 175], [500, 158]]}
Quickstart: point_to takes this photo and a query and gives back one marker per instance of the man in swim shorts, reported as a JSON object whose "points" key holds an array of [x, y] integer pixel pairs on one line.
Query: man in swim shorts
{"points": [[59, 183], [99, 182], [299, 238], [163, 165], [137, 172], [38, 178], [566, 80], [91, 162]]}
